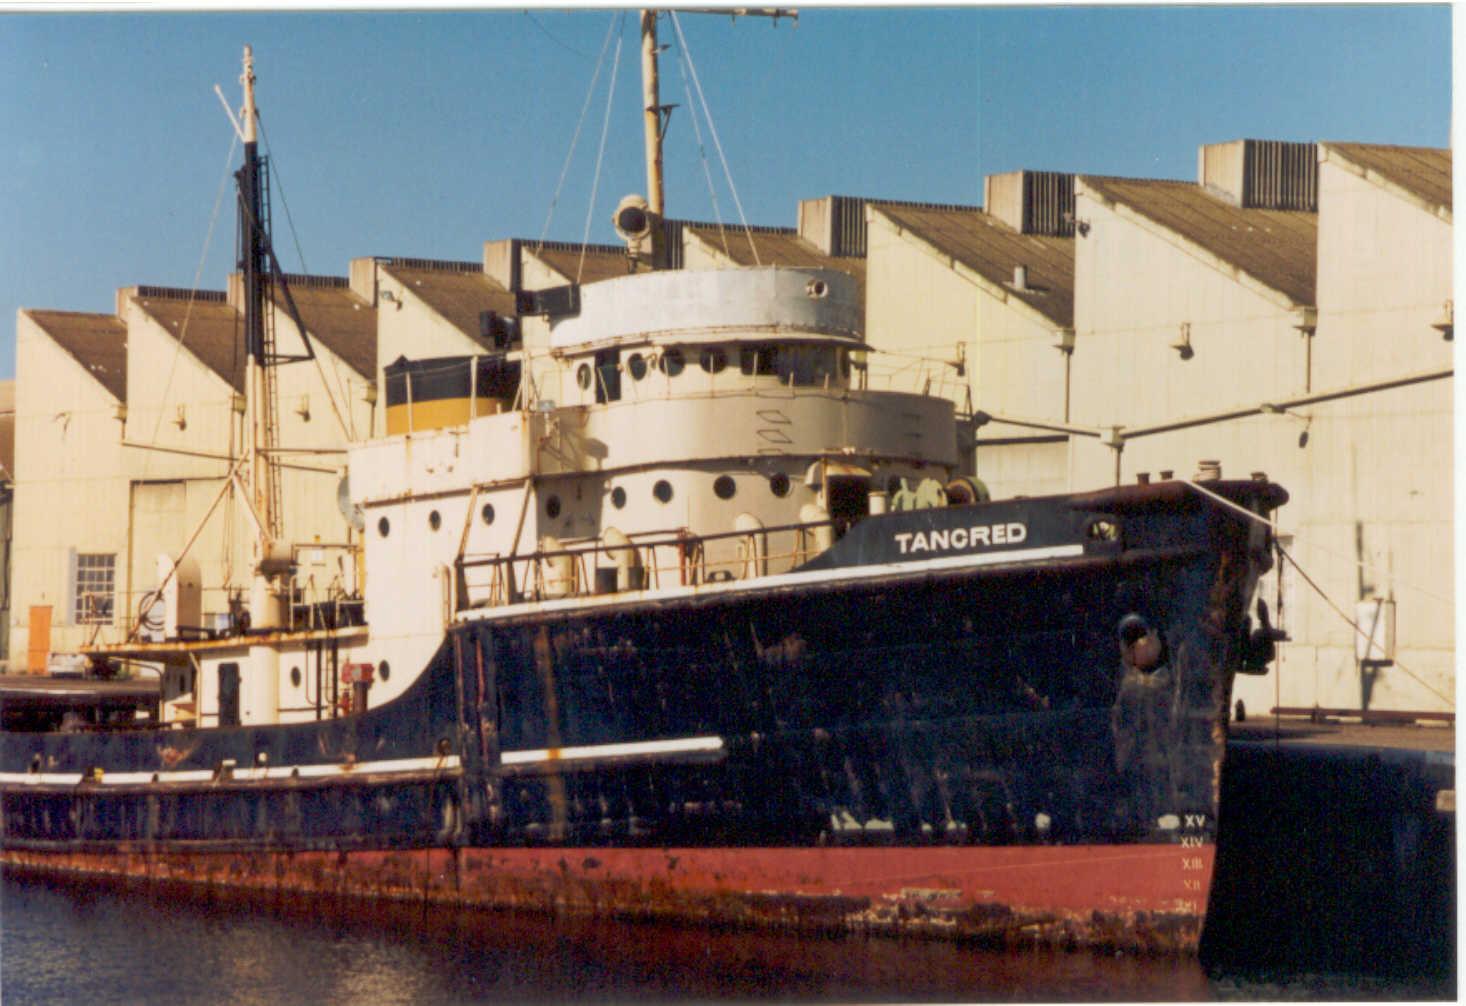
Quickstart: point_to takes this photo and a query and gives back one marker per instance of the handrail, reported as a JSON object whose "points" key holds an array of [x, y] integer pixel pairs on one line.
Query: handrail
{"points": [[690, 562], [598, 547]]}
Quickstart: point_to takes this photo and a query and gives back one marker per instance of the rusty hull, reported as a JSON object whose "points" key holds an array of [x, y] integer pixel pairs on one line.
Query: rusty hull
{"points": [[1147, 898]]}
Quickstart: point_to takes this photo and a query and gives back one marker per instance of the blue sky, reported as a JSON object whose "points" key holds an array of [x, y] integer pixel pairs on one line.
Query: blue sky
{"points": [[424, 134]]}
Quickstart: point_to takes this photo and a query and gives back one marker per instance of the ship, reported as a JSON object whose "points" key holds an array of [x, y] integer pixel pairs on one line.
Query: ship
{"points": [[673, 618]]}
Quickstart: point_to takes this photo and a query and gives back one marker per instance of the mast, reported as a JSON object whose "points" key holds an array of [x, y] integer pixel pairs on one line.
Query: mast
{"points": [[254, 269], [654, 113]]}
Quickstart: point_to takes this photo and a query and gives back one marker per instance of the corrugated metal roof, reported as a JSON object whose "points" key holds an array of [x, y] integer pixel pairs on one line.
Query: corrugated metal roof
{"points": [[98, 343], [1278, 248], [209, 329], [345, 323], [460, 297], [1425, 171], [780, 248], [601, 261], [992, 249]]}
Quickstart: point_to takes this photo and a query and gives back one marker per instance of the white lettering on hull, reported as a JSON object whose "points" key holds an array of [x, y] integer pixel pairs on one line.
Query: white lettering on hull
{"points": [[960, 538]]}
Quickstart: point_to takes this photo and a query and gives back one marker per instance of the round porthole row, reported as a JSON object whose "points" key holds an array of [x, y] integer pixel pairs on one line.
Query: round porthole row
{"points": [[672, 362], [552, 506], [384, 527], [582, 375], [724, 487], [618, 497], [384, 670], [636, 366], [713, 360], [295, 677], [662, 491], [779, 484], [487, 513], [435, 520]]}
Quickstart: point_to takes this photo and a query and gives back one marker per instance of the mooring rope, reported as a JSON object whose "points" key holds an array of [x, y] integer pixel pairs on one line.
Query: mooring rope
{"points": [[1367, 636], [575, 138]]}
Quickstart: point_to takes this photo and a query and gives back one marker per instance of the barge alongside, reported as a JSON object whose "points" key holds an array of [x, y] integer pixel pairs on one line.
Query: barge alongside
{"points": [[667, 615]]}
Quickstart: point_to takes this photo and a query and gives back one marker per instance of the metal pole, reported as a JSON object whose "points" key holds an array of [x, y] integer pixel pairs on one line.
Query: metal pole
{"points": [[652, 101]]}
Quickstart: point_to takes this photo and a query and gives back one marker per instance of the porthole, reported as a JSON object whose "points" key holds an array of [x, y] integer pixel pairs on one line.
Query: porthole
{"points": [[582, 375], [779, 484], [662, 491], [618, 497], [724, 487], [487, 513], [672, 362], [435, 520], [552, 506], [713, 360], [384, 671], [636, 366], [817, 289], [295, 677], [384, 526]]}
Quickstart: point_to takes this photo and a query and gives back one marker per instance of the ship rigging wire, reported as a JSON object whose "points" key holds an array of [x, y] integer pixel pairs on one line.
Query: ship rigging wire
{"points": [[702, 153], [348, 423], [188, 311], [601, 152], [575, 137], [713, 130], [553, 38]]}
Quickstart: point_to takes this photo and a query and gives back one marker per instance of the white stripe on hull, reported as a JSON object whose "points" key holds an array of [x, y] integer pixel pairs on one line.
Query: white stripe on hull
{"points": [[974, 560], [256, 773]]}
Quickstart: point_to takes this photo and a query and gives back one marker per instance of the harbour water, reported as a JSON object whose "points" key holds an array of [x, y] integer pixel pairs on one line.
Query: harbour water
{"points": [[75, 942]]}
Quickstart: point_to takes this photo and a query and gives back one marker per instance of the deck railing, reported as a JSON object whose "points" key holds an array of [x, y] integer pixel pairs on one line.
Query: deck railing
{"points": [[649, 560]]}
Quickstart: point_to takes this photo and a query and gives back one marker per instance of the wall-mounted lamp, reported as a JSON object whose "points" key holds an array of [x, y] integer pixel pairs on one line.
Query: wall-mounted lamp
{"points": [[1064, 340], [1269, 409], [180, 418], [1305, 320], [390, 298], [1182, 342], [303, 408], [1445, 323]]}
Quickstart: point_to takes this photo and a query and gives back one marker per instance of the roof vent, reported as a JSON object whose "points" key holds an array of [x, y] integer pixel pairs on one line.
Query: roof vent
{"points": [[1032, 202], [1261, 174]]}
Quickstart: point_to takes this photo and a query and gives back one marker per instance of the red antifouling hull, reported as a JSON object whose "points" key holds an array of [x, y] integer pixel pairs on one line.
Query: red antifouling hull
{"points": [[1145, 897]]}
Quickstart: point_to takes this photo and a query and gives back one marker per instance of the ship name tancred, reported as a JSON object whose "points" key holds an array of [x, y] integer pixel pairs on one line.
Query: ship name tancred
{"points": [[946, 539]]}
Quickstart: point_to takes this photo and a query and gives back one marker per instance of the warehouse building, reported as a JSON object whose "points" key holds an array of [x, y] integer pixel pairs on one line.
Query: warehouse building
{"points": [[124, 472], [1289, 312], [70, 513], [984, 301]]}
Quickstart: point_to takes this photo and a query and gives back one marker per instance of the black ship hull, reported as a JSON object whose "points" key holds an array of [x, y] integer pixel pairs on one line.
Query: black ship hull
{"points": [[1002, 721]]}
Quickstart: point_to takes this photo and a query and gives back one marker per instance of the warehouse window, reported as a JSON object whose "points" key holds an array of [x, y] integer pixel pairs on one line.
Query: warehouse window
{"points": [[95, 581]]}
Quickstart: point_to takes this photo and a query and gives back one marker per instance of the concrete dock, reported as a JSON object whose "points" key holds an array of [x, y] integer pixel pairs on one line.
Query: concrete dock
{"points": [[1336, 848]]}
